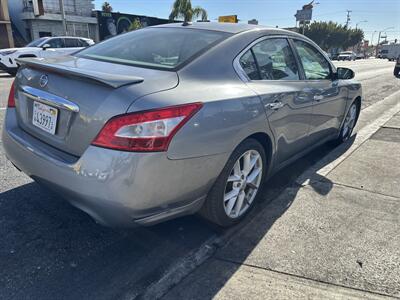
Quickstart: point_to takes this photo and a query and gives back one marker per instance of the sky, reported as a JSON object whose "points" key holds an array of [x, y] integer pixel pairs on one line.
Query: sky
{"points": [[379, 14]]}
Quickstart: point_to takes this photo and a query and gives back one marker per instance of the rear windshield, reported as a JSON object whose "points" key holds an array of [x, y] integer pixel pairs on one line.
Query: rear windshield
{"points": [[165, 48]]}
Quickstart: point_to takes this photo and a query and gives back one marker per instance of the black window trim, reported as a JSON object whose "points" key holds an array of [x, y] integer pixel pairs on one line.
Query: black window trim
{"points": [[242, 74], [318, 49]]}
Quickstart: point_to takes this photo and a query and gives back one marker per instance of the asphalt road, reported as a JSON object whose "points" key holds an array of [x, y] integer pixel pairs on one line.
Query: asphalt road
{"points": [[50, 250]]}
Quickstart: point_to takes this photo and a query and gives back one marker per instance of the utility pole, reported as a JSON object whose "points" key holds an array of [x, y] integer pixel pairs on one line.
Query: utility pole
{"points": [[64, 22], [348, 19]]}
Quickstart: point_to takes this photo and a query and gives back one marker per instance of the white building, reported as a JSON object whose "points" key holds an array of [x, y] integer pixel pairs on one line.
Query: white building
{"points": [[38, 18]]}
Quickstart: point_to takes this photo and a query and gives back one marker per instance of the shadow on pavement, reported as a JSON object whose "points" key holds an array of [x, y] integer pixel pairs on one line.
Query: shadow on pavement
{"points": [[50, 250]]}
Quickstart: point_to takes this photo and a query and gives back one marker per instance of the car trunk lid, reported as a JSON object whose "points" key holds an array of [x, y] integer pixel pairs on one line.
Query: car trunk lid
{"points": [[84, 99]]}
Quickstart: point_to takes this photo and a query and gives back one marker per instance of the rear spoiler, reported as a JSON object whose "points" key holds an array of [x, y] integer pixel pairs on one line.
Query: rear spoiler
{"points": [[109, 79]]}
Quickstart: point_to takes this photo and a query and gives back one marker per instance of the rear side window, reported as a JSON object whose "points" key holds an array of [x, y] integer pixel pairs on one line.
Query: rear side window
{"points": [[72, 43], [249, 65], [271, 59], [165, 48], [276, 60], [83, 43]]}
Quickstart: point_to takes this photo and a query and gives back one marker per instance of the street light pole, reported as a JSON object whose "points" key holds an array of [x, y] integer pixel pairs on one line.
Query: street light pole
{"points": [[379, 39], [64, 23], [372, 37]]}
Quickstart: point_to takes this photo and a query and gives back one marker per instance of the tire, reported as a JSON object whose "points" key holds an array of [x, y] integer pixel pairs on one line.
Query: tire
{"points": [[396, 72], [219, 200], [349, 123]]}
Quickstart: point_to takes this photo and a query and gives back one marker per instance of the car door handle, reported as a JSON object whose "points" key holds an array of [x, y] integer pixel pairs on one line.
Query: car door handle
{"points": [[318, 97], [275, 105]]}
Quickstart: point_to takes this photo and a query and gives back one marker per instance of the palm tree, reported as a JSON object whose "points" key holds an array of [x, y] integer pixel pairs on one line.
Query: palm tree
{"points": [[106, 7], [183, 9], [135, 25]]}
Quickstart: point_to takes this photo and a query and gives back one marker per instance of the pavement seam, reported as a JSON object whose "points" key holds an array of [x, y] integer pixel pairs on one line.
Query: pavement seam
{"points": [[305, 278], [365, 190], [391, 127]]}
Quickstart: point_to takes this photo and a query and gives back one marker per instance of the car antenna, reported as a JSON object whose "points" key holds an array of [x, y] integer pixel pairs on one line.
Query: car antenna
{"points": [[186, 23]]}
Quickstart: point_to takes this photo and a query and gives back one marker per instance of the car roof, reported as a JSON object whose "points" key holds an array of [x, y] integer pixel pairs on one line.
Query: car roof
{"points": [[228, 27], [68, 37]]}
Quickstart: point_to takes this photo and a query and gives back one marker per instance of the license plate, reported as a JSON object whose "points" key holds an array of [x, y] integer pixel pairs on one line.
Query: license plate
{"points": [[45, 117]]}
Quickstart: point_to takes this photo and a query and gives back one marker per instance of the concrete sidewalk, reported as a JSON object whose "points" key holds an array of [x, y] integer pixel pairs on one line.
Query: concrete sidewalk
{"points": [[335, 237]]}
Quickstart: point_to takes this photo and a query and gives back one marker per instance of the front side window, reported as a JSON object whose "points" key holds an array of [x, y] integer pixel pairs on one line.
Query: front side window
{"points": [[165, 48], [315, 66], [56, 43]]}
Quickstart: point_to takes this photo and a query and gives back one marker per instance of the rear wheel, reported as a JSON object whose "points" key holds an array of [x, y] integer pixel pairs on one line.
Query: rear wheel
{"points": [[237, 187]]}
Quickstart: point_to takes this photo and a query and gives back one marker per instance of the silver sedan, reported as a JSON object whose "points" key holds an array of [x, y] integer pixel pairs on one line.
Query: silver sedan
{"points": [[176, 119]]}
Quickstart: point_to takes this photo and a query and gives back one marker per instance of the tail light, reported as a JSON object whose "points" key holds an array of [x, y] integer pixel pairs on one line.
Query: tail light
{"points": [[146, 131], [11, 97]]}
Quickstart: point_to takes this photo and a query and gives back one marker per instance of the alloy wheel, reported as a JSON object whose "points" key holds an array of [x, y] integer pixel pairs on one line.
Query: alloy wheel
{"points": [[349, 122], [243, 183]]}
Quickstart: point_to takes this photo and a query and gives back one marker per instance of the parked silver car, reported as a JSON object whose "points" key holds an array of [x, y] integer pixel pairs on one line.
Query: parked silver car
{"points": [[174, 119]]}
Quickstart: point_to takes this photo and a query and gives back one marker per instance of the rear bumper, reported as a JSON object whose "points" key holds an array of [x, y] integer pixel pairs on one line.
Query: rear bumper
{"points": [[115, 188]]}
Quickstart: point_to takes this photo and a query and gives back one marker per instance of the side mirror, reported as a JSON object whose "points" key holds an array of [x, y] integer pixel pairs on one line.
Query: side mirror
{"points": [[45, 46], [344, 73]]}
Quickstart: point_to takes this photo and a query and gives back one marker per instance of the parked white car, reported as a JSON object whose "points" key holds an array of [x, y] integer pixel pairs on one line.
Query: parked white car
{"points": [[43, 47], [347, 55]]}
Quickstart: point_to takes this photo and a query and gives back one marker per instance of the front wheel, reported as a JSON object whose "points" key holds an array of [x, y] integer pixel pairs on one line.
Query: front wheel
{"points": [[237, 187], [348, 124]]}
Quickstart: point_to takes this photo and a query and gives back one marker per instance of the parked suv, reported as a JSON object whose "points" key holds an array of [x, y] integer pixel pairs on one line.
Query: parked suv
{"points": [[43, 47]]}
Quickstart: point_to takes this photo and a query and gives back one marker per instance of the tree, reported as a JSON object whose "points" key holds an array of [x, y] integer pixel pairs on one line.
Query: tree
{"points": [[106, 7], [333, 35], [135, 25], [355, 37], [183, 9]]}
